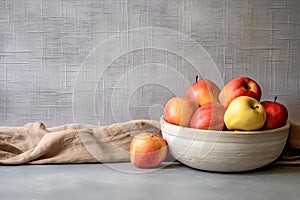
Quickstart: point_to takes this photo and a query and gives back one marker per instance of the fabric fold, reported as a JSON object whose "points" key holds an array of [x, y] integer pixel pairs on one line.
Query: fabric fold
{"points": [[72, 143]]}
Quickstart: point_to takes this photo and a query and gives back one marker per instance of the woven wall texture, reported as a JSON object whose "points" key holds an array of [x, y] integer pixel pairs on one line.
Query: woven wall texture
{"points": [[49, 71]]}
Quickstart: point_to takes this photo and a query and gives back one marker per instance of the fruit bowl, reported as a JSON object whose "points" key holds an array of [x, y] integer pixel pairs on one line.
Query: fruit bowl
{"points": [[224, 151]]}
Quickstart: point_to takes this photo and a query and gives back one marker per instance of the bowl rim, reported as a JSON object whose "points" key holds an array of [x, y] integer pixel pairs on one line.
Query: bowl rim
{"points": [[230, 132]]}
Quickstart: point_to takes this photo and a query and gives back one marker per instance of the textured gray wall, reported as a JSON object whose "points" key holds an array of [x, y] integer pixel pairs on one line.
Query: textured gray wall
{"points": [[49, 73]]}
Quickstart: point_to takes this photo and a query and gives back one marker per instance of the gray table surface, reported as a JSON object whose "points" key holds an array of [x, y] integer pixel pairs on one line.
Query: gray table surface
{"points": [[124, 181]]}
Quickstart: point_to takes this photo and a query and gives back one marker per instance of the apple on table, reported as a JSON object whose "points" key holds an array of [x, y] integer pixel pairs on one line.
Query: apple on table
{"points": [[148, 150]]}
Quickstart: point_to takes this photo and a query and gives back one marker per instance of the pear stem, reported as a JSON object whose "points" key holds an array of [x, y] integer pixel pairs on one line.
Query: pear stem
{"points": [[275, 99], [196, 78]]}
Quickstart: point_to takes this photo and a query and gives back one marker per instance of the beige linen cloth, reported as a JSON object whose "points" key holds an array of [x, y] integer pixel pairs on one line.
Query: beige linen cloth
{"points": [[33, 143]]}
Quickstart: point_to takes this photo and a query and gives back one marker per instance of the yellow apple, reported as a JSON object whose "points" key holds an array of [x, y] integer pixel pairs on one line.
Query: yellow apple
{"points": [[245, 113]]}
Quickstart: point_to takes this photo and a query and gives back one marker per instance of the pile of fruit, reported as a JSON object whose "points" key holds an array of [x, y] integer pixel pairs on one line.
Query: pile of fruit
{"points": [[236, 106]]}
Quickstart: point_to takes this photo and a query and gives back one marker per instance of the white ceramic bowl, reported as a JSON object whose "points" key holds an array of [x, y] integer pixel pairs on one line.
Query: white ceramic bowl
{"points": [[224, 151]]}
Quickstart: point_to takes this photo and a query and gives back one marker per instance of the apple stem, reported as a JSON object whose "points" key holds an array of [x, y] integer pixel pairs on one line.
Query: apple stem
{"points": [[255, 107], [196, 78], [275, 99]]}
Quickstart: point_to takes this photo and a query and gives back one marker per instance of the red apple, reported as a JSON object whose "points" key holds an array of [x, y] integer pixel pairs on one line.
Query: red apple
{"points": [[210, 116], [277, 114], [202, 92], [179, 111], [239, 86], [148, 150]]}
